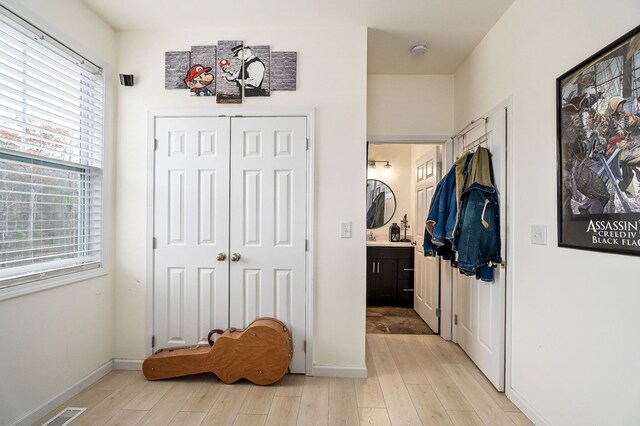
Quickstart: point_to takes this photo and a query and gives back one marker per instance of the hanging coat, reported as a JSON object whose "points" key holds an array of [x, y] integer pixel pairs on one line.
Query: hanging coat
{"points": [[478, 240], [443, 217]]}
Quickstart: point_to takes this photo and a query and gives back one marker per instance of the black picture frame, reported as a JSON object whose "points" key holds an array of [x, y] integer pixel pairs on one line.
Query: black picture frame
{"points": [[598, 150]]}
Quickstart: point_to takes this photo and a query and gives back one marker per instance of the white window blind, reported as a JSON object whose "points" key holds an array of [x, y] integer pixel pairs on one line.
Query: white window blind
{"points": [[51, 156]]}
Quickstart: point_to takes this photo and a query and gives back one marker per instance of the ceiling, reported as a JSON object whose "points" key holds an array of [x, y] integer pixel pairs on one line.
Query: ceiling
{"points": [[451, 28]]}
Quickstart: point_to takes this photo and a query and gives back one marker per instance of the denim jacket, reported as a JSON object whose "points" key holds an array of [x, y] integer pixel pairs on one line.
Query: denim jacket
{"points": [[442, 220], [478, 239]]}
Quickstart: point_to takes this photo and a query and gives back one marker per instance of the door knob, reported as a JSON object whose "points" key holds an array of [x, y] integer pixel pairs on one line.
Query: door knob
{"points": [[235, 257], [221, 256]]}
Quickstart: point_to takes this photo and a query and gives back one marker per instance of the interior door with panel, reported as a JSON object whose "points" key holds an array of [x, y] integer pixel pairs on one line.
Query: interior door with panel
{"points": [[191, 280], [426, 295], [268, 211], [230, 227], [480, 305]]}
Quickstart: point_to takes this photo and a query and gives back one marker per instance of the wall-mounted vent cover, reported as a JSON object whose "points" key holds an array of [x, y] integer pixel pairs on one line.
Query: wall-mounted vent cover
{"points": [[65, 416]]}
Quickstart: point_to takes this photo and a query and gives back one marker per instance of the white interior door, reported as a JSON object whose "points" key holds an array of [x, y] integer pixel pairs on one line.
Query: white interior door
{"points": [[225, 186], [191, 288], [480, 306], [426, 294], [268, 210]]}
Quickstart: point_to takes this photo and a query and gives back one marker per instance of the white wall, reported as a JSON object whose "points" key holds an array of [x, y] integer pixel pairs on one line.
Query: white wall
{"points": [[340, 102], [575, 313], [54, 338], [409, 105], [399, 156]]}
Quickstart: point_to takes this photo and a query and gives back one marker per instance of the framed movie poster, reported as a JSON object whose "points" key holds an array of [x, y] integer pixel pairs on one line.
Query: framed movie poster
{"points": [[598, 126]]}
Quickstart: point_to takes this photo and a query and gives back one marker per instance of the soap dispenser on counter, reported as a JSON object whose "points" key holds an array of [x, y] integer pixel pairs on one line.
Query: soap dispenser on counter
{"points": [[394, 233]]}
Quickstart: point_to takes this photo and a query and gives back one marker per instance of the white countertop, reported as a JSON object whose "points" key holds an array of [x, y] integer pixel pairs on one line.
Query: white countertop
{"points": [[383, 243]]}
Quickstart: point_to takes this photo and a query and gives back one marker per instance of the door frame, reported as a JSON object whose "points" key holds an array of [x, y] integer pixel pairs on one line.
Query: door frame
{"points": [[309, 114], [446, 278]]}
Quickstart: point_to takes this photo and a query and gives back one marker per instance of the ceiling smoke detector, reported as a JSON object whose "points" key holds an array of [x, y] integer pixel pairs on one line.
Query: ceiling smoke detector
{"points": [[419, 49]]}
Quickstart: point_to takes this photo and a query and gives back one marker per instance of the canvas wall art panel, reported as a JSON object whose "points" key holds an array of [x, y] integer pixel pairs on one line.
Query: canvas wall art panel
{"points": [[176, 66], [229, 72], [200, 78], [256, 70], [283, 70]]}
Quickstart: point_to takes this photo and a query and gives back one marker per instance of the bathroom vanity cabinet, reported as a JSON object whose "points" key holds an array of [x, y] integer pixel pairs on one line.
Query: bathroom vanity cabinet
{"points": [[390, 274]]}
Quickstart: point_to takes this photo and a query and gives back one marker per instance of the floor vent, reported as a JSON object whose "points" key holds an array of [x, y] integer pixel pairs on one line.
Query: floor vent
{"points": [[65, 416]]}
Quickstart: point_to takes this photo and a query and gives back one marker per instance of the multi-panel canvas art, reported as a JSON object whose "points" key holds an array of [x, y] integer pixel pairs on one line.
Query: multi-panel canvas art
{"points": [[229, 72]]}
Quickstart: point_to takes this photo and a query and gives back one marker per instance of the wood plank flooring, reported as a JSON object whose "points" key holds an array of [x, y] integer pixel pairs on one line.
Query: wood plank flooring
{"points": [[412, 380]]}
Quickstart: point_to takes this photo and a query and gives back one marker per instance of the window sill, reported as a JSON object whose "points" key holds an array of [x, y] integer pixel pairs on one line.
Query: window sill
{"points": [[49, 283]]}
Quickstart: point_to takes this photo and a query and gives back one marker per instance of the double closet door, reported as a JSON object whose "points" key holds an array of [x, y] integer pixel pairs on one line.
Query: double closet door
{"points": [[229, 227]]}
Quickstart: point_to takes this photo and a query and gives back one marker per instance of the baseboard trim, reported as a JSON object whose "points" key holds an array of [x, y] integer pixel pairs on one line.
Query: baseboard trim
{"points": [[526, 408], [337, 371], [33, 416], [127, 364]]}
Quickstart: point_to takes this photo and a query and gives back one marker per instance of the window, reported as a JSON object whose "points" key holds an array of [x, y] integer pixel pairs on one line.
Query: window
{"points": [[51, 156]]}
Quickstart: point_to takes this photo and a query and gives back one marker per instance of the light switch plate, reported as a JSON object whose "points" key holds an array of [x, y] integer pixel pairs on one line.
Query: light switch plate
{"points": [[539, 234], [345, 229]]}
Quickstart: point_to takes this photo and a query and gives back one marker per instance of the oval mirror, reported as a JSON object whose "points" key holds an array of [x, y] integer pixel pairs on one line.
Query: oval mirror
{"points": [[381, 204]]}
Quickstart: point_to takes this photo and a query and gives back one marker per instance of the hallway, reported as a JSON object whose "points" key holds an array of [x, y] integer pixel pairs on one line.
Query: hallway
{"points": [[443, 388]]}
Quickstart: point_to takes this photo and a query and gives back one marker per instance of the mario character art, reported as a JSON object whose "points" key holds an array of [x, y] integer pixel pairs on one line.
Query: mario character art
{"points": [[197, 79]]}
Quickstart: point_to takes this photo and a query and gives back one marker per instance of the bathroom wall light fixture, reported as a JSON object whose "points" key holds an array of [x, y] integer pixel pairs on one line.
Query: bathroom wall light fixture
{"points": [[372, 168]]}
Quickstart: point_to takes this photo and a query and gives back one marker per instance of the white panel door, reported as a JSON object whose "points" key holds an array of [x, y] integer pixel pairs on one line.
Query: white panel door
{"points": [[268, 210], [191, 291], [426, 294], [481, 305]]}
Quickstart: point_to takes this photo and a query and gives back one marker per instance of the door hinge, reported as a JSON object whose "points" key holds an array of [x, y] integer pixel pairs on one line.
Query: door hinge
{"points": [[455, 319], [153, 341], [438, 312], [306, 245], [155, 144], [308, 143], [154, 242], [304, 346]]}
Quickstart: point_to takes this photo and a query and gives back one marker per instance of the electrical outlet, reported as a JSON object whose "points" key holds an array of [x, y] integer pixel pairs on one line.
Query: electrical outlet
{"points": [[539, 234], [345, 229]]}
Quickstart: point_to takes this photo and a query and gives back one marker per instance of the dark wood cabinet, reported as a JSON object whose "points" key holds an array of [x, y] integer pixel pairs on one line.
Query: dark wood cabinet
{"points": [[389, 276]]}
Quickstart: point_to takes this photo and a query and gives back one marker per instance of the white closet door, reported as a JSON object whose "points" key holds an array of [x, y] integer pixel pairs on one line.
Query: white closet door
{"points": [[426, 293], [268, 202], [481, 305], [191, 293]]}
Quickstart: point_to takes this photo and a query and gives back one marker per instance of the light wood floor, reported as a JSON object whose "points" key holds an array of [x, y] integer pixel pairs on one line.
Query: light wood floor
{"points": [[412, 380]]}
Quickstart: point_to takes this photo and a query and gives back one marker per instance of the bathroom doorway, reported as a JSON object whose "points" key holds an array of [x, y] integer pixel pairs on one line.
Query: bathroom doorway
{"points": [[403, 287]]}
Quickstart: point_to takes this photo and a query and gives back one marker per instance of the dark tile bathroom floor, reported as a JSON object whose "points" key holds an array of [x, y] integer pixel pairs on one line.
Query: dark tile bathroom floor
{"points": [[395, 320]]}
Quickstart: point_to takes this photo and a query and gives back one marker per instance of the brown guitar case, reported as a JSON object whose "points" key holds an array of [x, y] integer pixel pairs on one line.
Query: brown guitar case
{"points": [[260, 353]]}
